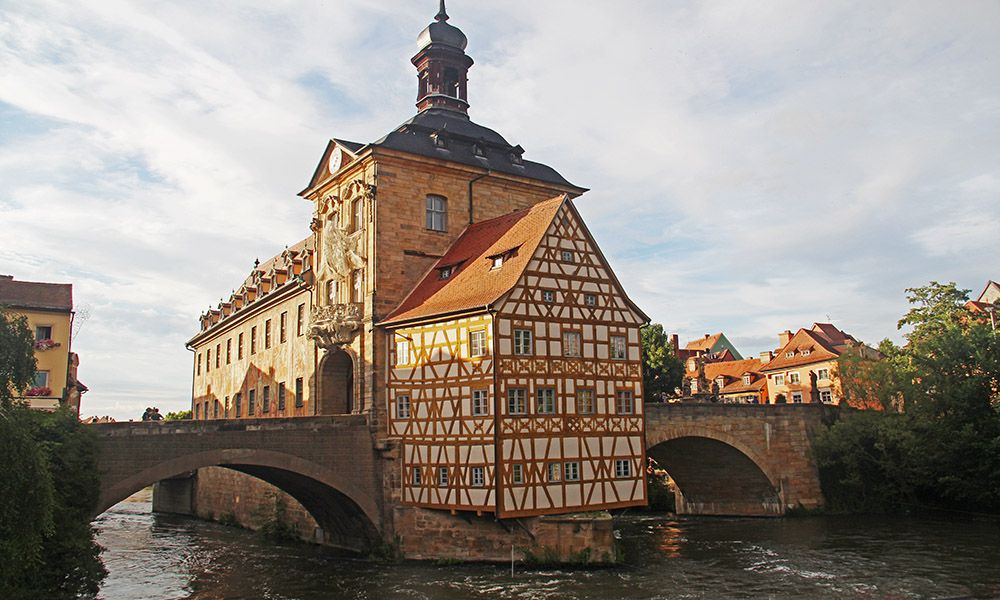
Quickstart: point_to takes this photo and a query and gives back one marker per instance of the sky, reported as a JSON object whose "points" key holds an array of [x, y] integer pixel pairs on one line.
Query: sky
{"points": [[753, 166]]}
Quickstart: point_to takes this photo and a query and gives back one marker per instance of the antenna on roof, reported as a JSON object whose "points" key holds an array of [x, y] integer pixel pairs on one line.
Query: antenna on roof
{"points": [[442, 15]]}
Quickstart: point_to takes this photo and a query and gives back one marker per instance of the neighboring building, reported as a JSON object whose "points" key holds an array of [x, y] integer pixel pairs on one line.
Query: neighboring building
{"points": [[988, 300], [731, 381], [48, 308], [438, 243], [716, 344], [517, 384], [804, 368]]}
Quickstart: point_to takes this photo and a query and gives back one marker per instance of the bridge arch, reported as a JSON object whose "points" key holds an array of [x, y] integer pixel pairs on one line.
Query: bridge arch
{"points": [[334, 499], [715, 472]]}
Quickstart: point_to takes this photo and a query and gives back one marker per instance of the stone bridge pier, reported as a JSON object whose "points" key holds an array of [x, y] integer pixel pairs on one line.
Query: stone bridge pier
{"points": [[327, 464], [738, 459]]}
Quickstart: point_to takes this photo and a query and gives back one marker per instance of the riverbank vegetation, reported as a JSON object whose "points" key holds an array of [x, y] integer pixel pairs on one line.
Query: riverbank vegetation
{"points": [[929, 432], [48, 486], [662, 371]]}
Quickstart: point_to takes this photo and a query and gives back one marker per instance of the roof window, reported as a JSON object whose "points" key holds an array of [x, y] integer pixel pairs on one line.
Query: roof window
{"points": [[790, 354]]}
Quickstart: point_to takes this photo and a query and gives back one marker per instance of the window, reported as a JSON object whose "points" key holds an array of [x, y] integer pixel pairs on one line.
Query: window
{"points": [[199, 364], [548, 296], [567, 256], [251, 402], [253, 340], [779, 379], [571, 471], [402, 352], [281, 397], [822, 373], [826, 396], [789, 354], [208, 360], [197, 411], [479, 403], [497, 262], [218, 355], [626, 403], [553, 472], [793, 377], [43, 332], [416, 475], [797, 397], [522, 342], [445, 272], [283, 328], [225, 407], [239, 347], [356, 208], [571, 343], [747, 379], [300, 319], [478, 477], [229, 351], [546, 401], [516, 404], [357, 290], [437, 213], [517, 474], [215, 409], [585, 402], [720, 382], [237, 404], [442, 476], [267, 333], [618, 347], [477, 343], [623, 468], [42, 378], [590, 299], [403, 407], [266, 403], [298, 392], [806, 352]]}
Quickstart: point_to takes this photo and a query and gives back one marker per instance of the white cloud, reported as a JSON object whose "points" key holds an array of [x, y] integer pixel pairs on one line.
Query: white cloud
{"points": [[754, 167]]}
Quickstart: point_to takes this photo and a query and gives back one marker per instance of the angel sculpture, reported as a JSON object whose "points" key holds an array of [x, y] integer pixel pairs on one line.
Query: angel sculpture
{"points": [[341, 255]]}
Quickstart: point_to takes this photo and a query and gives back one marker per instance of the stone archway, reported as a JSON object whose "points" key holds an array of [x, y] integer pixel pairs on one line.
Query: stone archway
{"points": [[336, 384], [716, 474]]}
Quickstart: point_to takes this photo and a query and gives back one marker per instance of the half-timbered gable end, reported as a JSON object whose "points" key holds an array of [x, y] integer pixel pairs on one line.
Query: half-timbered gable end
{"points": [[516, 383]]}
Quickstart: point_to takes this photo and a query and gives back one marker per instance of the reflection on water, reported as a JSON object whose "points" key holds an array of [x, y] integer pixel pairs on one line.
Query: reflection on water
{"points": [[162, 557]]}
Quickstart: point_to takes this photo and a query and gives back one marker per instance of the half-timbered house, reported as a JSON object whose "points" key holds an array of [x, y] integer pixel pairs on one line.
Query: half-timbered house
{"points": [[516, 383]]}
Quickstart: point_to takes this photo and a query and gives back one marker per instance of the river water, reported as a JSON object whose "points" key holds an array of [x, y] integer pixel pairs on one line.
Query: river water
{"points": [[162, 556]]}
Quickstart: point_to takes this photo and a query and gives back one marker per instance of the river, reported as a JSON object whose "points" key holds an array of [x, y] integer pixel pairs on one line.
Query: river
{"points": [[162, 556]]}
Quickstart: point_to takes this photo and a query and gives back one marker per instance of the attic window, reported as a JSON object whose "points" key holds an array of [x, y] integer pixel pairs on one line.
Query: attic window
{"points": [[515, 155], [567, 256], [806, 352], [497, 262], [440, 139], [720, 381], [446, 272], [790, 354], [746, 380], [478, 149]]}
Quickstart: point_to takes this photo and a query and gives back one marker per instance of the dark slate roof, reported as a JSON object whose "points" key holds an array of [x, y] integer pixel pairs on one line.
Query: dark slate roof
{"points": [[30, 294], [351, 146], [460, 139]]}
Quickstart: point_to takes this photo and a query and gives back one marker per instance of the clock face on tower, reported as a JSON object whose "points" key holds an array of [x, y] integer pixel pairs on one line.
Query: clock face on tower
{"points": [[335, 158]]}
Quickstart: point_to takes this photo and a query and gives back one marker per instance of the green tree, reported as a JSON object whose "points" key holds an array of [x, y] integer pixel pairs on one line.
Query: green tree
{"points": [[17, 357], [938, 443], [662, 371], [178, 416]]}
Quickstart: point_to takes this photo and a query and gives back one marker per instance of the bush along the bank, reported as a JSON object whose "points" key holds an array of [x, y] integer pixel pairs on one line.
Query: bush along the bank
{"points": [[930, 434]]}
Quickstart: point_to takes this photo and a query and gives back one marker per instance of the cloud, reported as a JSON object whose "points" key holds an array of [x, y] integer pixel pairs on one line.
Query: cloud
{"points": [[754, 167]]}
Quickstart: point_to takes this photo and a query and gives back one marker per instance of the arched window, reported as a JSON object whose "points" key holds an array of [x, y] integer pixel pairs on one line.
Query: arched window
{"points": [[450, 84], [356, 214], [437, 213]]}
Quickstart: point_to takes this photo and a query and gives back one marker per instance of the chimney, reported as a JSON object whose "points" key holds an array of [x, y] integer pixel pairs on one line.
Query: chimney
{"points": [[783, 338], [707, 336], [675, 344], [765, 357]]}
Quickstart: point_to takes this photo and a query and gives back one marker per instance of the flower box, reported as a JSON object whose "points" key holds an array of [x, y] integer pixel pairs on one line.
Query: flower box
{"points": [[39, 391], [46, 344]]}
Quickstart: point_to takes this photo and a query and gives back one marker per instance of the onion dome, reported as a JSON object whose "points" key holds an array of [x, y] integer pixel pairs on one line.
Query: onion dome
{"points": [[440, 32]]}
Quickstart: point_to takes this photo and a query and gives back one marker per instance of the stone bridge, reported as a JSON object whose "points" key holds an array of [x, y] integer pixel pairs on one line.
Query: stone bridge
{"points": [[326, 463], [738, 459]]}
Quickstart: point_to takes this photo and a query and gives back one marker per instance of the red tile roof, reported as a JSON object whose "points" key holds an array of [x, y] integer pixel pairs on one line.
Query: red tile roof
{"points": [[31, 294], [732, 372], [706, 343], [474, 283], [824, 342]]}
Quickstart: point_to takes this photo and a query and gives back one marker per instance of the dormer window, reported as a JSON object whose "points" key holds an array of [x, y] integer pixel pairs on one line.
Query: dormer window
{"points": [[806, 352], [746, 379], [497, 262], [515, 155], [790, 354], [479, 150], [446, 272], [440, 139], [720, 381]]}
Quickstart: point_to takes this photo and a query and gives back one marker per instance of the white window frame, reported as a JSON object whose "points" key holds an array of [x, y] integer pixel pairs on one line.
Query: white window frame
{"points": [[523, 343], [548, 296], [567, 256], [619, 347], [517, 474], [44, 375], [402, 352], [478, 477], [747, 379], [480, 403], [623, 468], [403, 406], [443, 477], [585, 401], [477, 343], [796, 397], [436, 213], [625, 402], [517, 401], [415, 476], [572, 344], [571, 471], [829, 395], [779, 379], [553, 472], [545, 401], [590, 299], [822, 374], [794, 377]]}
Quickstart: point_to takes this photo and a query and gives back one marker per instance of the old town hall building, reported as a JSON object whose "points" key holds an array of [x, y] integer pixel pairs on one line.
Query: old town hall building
{"points": [[450, 292]]}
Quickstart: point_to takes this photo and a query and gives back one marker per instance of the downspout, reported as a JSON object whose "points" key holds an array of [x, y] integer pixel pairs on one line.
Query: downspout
{"points": [[471, 182], [496, 416]]}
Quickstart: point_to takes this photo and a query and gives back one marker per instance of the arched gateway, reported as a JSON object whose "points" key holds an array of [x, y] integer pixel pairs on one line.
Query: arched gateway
{"points": [[737, 459], [326, 463]]}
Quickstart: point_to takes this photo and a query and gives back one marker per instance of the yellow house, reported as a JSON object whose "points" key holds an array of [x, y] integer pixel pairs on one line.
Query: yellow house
{"points": [[48, 308]]}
